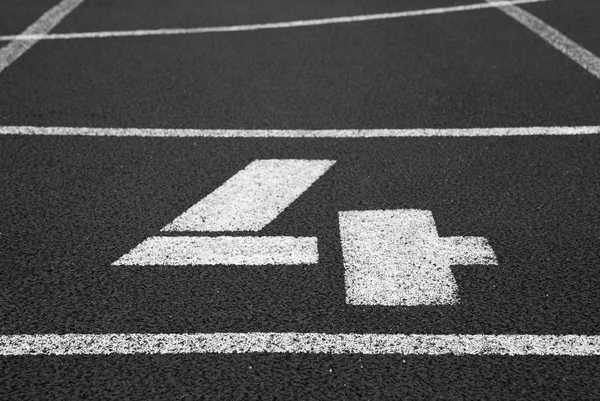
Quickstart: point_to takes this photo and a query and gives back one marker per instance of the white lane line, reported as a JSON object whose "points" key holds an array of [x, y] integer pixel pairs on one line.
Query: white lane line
{"points": [[305, 343], [331, 133], [253, 197], [251, 251], [586, 59], [395, 257], [21, 43], [273, 25]]}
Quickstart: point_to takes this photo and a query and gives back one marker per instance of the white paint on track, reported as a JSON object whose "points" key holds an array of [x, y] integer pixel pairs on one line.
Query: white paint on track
{"points": [[253, 197], [272, 25], [586, 59], [21, 43], [306, 343], [395, 257], [331, 133], [223, 250]]}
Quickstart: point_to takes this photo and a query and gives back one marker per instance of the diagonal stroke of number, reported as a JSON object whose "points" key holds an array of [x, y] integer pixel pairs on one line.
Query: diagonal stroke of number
{"points": [[253, 197]]}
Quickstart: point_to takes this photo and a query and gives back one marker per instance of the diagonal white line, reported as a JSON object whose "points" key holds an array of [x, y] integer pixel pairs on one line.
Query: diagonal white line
{"points": [[327, 133], [273, 25], [586, 59], [303, 343], [21, 43], [253, 197]]}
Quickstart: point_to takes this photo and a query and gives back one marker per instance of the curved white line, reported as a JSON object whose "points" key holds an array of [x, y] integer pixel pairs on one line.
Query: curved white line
{"points": [[273, 25]]}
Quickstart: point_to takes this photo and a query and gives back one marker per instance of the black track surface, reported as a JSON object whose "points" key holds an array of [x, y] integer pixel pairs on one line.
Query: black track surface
{"points": [[70, 206]]}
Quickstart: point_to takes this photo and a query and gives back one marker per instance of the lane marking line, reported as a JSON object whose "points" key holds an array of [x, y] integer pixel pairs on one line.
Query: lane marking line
{"points": [[21, 43], [395, 257], [305, 343], [273, 25], [222, 250], [253, 197], [327, 133], [586, 59]]}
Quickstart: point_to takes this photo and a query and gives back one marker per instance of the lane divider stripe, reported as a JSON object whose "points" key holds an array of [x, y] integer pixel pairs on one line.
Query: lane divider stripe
{"points": [[328, 133], [307, 343], [585, 58]]}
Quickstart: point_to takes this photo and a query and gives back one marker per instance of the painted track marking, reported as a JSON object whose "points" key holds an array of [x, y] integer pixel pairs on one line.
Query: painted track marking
{"points": [[586, 59], [331, 133], [253, 197], [395, 257], [248, 201], [77, 344], [21, 43], [273, 25], [223, 250], [305, 343]]}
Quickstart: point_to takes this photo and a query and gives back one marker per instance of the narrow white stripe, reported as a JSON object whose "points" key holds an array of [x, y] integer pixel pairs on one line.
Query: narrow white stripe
{"points": [[560, 42], [253, 251], [253, 197], [273, 25], [395, 257], [21, 43], [341, 133], [309, 343]]}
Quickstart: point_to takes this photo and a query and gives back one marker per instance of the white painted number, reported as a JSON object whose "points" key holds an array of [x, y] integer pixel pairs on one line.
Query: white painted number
{"points": [[391, 257]]}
